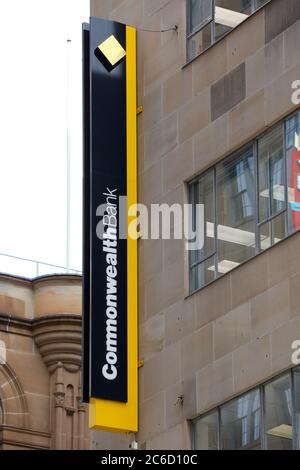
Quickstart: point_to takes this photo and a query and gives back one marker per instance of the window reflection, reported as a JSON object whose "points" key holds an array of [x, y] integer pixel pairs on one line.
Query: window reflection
{"points": [[293, 170], [240, 423], [210, 20], [271, 173], [202, 262], [205, 432], [236, 210], [261, 3], [257, 195], [278, 404], [229, 14], [200, 13], [200, 41], [272, 187], [237, 425], [297, 406]]}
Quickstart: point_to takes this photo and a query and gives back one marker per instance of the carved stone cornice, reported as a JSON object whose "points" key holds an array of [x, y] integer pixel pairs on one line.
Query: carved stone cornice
{"points": [[16, 325], [58, 338]]}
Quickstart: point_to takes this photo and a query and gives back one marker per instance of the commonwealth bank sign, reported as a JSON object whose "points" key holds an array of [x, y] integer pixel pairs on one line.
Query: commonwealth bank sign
{"points": [[110, 356]]}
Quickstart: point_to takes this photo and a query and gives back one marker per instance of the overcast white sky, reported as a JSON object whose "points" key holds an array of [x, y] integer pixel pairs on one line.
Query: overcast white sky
{"points": [[33, 124]]}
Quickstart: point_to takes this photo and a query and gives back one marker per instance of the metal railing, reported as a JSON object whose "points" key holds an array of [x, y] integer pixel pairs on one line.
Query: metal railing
{"points": [[24, 267]]}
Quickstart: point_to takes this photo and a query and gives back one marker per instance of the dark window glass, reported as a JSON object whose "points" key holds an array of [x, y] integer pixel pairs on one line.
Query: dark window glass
{"points": [[271, 173], [206, 432], [215, 18], [256, 200], [237, 425], [297, 407], [229, 14], [293, 171], [278, 414], [240, 423], [202, 274], [202, 261], [200, 14], [236, 210], [260, 3], [200, 42]]}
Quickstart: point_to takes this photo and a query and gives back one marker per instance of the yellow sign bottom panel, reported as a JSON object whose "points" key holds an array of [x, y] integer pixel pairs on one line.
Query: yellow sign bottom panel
{"points": [[113, 417]]}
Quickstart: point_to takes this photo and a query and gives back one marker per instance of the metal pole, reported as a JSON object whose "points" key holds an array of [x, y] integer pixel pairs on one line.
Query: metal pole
{"points": [[68, 157]]}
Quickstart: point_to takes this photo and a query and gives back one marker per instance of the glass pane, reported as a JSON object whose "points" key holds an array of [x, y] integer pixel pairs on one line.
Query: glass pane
{"points": [[229, 14], [200, 13], [202, 274], [200, 42], [263, 185], [260, 3], [278, 228], [277, 175], [265, 236], [293, 171], [297, 406], [271, 173], [236, 210], [205, 432], [202, 192], [279, 430], [240, 423]]}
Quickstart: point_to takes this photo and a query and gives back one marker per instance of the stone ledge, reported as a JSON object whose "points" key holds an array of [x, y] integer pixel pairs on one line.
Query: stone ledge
{"points": [[23, 438]]}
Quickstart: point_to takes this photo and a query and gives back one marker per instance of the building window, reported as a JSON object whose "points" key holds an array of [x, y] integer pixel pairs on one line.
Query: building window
{"points": [[202, 262], [240, 423], [292, 132], [272, 187], [209, 20], [297, 408], [206, 432], [264, 418], [236, 210], [278, 414], [251, 202]]}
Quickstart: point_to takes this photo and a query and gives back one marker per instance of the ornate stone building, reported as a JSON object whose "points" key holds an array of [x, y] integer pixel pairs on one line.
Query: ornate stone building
{"points": [[40, 351]]}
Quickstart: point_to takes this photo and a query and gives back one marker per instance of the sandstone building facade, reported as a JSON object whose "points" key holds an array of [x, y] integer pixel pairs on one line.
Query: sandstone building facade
{"points": [[219, 126]]}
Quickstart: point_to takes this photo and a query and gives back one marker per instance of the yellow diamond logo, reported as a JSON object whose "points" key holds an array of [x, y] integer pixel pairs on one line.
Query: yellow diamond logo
{"points": [[112, 50]]}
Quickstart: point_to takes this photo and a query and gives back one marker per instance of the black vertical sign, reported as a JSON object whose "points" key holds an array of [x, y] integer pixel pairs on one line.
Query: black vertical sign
{"points": [[105, 255], [86, 214]]}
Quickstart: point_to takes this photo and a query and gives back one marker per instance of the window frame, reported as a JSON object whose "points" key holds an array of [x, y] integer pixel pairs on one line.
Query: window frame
{"points": [[284, 211], [258, 389], [190, 34], [258, 224], [214, 253], [290, 373]]}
